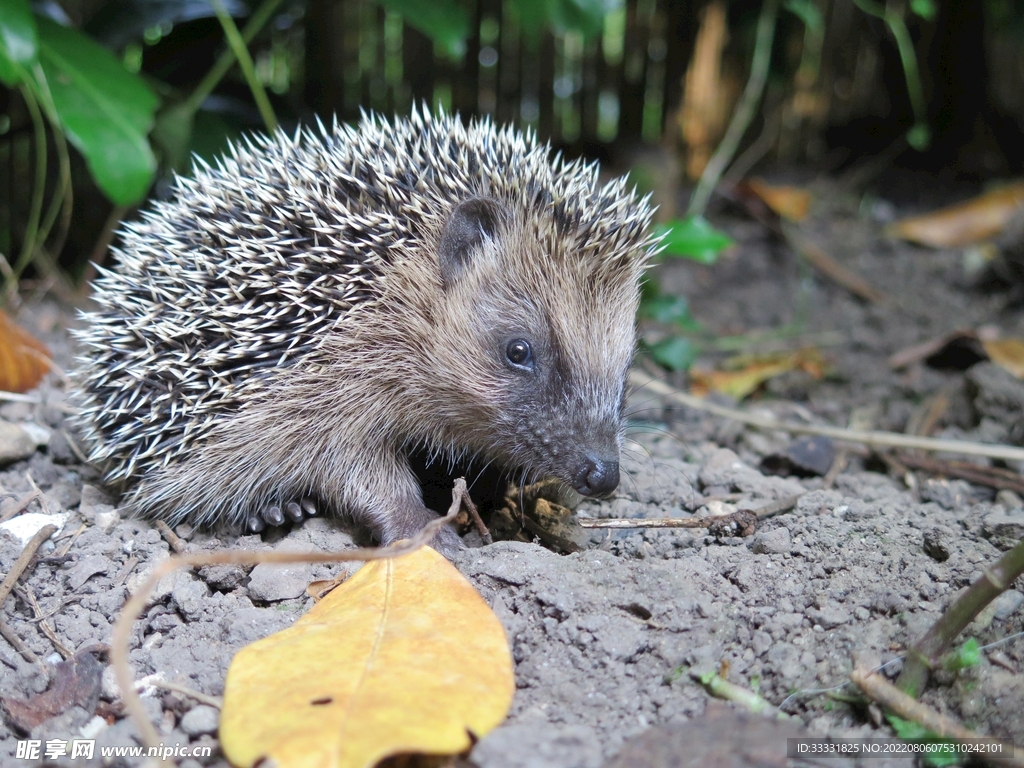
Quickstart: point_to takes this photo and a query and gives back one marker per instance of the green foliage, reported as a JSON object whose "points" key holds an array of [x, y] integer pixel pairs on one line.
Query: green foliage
{"points": [[675, 353], [584, 16], [807, 11], [926, 9], [18, 43], [966, 656], [446, 22], [104, 110], [693, 238], [910, 731]]}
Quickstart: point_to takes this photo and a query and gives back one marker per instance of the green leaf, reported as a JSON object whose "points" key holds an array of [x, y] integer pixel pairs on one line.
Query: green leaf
{"points": [[808, 12], [693, 238], [586, 16], [668, 310], [105, 110], [18, 44], [446, 22], [674, 353], [967, 655], [926, 9]]}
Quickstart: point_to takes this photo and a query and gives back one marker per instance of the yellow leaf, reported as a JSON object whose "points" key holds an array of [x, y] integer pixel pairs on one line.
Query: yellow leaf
{"points": [[748, 372], [970, 222], [403, 657], [790, 203], [1007, 354], [24, 360]]}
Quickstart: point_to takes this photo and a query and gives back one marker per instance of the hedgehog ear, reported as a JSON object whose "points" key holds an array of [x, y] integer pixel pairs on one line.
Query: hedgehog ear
{"points": [[470, 223]]}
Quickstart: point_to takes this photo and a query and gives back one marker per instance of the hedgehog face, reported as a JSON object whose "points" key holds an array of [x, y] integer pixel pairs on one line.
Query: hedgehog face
{"points": [[547, 349]]}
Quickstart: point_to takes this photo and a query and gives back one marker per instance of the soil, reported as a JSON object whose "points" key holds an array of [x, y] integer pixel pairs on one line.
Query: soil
{"points": [[607, 641]]}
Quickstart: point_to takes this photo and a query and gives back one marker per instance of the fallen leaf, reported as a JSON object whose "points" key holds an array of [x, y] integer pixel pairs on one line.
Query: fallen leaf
{"points": [[24, 360], [404, 657], [1007, 354], [76, 682], [980, 218], [748, 372], [791, 203]]}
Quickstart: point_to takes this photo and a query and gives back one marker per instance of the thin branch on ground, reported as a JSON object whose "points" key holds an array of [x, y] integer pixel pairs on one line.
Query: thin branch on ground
{"points": [[885, 693], [865, 437], [23, 560], [935, 642]]}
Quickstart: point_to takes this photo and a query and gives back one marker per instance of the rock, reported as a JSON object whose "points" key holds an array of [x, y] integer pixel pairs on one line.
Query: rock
{"points": [[189, 594], [773, 542], [806, 457], [84, 569], [1007, 604], [223, 577], [40, 435], [15, 443], [948, 494], [200, 720], [936, 544], [1005, 529], [271, 582]]}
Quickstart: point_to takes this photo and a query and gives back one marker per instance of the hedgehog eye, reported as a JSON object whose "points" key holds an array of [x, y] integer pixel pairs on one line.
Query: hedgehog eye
{"points": [[519, 353]]}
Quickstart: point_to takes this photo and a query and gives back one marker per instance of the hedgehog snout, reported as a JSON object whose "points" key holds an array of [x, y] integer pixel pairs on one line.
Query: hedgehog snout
{"points": [[597, 475]]}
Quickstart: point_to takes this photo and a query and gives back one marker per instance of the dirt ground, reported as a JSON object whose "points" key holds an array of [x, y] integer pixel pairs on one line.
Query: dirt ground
{"points": [[605, 640]]}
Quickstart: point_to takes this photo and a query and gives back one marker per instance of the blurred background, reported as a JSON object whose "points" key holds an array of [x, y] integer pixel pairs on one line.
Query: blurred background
{"points": [[101, 101]]}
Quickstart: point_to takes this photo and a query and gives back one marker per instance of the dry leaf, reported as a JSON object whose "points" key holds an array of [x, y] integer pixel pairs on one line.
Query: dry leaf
{"points": [[404, 657], [747, 372], [1007, 354], [707, 97], [791, 203], [24, 360], [973, 221]]}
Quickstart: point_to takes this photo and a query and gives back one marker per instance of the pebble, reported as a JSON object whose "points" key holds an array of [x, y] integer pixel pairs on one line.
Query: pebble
{"points": [[271, 582], [15, 443], [200, 720]]}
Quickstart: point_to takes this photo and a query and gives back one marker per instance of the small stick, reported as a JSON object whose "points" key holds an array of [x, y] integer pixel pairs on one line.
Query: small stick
{"points": [[202, 698], [474, 515], [885, 693], [40, 619], [783, 505], [23, 560], [838, 465], [721, 688], [26, 653], [839, 274], [956, 617], [74, 537], [172, 538], [872, 437], [125, 572], [17, 397], [549, 538], [21, 504], [993, 477]]}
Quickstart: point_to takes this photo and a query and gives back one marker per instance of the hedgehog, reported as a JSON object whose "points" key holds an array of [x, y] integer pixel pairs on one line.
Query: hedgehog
{"points": [[284, 331]]}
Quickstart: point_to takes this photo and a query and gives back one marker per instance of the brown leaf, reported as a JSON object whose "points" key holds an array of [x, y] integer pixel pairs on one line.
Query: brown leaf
{"points": [[970, 222], [1007, 354], [790, 203], [24, 360], [76, 682]]}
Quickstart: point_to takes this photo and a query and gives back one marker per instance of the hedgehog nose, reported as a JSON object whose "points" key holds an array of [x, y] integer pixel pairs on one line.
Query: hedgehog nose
{"points": [[597, 477]]}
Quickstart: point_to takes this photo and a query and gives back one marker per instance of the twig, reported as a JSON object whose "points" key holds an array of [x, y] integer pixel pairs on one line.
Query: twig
{"points": [[130, 612], [943, 632], [26, 653], [745, 109], [872, 437], [173, 540], [23, 560], [993, 477], [836, 272], [17, 397], [74, 537], [761, 513], [549, 538], [21, 504], [721, 688], [474, 515], [885, 693], [40, 620], [202, 698]]}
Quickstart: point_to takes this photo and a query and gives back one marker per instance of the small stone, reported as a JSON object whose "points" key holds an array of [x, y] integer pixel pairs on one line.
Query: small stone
{"points": [[223, 578], [200, 720], [1005, 529], [1007, 604], [948, 494], [935, 545], [107, 519], [773, 542], [93, 497], [189, 594], [15, 443], [40, 435], [271, 582], [84, 569], [59, 448], [1009, 499]]}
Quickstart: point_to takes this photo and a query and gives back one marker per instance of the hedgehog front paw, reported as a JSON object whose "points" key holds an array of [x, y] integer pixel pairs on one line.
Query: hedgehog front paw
{"points": [[275, 516]]}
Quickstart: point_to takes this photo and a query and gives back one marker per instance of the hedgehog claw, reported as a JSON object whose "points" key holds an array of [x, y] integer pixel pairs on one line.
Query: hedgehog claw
{"points": [[308, 507], [255, 524], [294, 512], [273, 516]]}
